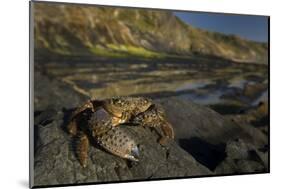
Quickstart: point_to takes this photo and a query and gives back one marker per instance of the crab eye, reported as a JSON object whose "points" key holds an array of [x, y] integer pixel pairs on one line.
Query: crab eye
{"points": [[115, 101]]}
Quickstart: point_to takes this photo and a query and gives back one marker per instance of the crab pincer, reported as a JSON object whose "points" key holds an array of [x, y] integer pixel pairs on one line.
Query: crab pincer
{"points": [[116, 140]]}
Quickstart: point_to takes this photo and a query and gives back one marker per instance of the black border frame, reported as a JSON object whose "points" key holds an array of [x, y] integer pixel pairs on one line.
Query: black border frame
{"points": [[31, 99]]}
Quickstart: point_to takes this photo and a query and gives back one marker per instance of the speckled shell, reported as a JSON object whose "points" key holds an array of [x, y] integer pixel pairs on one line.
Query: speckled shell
{"points": [[130, 105], [118, 141]]}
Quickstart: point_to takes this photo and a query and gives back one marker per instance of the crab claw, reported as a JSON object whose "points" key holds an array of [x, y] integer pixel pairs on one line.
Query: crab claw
{"points": [[135, 154], [119, 141]]}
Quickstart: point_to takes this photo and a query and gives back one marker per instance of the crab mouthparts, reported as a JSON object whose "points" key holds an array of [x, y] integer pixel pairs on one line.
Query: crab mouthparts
{"points": [[117, 121]]}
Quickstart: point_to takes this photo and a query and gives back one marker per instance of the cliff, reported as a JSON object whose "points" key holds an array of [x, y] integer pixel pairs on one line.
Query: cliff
{"points": [[120, 32]]}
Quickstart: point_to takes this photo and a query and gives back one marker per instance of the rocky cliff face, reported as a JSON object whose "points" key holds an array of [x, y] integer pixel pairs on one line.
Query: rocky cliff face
{"points": [[79, 30]]}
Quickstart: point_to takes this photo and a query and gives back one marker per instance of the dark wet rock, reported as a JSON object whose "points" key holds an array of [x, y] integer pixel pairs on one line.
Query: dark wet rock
{"points": [[227, 108], [193, 120], [254, 78], [210, 137], [56, 163], [254, 90], [49, 93], [255, 116], [243, 158]]}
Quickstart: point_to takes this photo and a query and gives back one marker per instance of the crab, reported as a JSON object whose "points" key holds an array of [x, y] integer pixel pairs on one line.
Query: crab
{"points": [[105, 122]]}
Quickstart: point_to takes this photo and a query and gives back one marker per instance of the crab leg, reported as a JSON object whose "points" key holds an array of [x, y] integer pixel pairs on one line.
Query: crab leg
{"points": [[165, 127], [72, 126], [87, 105], [82, 149], [154, 118], [168, 131]]}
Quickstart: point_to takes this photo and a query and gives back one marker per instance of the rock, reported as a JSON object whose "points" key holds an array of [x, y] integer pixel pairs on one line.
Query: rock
{"points": [[50, 93], [254, 90], [208, 137], [243, 158], [56, 163], [192, 120], [256, 117]]}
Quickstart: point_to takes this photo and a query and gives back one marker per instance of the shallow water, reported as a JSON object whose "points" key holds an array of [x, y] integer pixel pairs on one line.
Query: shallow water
{"points": [[206, 99], [194, 84], [204, 83]]}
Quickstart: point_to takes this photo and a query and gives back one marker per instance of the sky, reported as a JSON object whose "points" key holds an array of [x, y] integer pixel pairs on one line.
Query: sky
{"points": [[248, 27]]}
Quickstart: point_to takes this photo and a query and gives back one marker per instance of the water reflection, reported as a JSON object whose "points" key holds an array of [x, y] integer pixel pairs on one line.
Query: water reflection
{"points": [[203, 82]]}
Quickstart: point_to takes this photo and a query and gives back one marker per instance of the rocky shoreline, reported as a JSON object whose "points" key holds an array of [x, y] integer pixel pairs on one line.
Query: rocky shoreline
{"points": [[206, 143]]}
